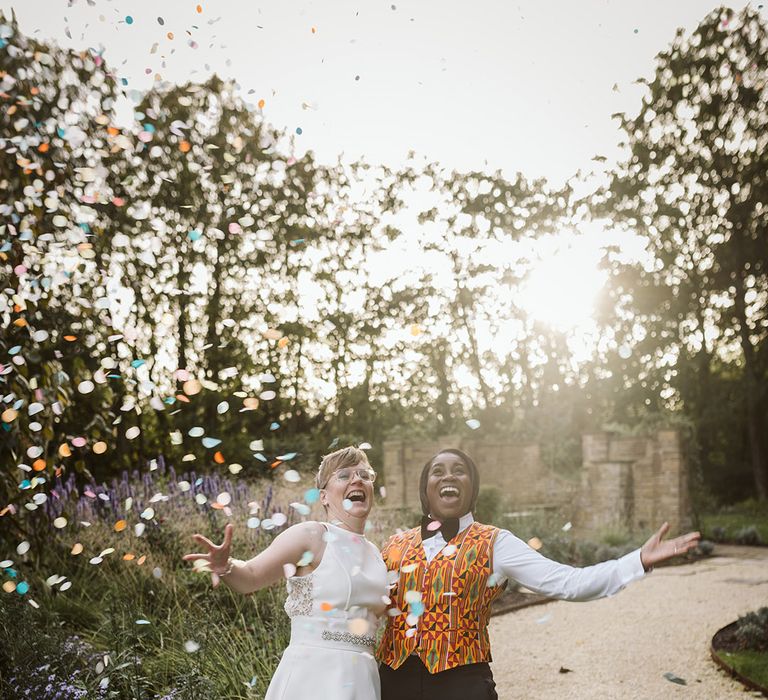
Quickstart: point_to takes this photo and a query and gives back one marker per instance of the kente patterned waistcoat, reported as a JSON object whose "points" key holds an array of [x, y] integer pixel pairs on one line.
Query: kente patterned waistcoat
{"points": [[453, 628]]}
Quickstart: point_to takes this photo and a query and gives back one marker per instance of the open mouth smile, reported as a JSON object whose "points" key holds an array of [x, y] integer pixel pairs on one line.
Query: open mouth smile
{"points": [[449, 493], [356, 496]]}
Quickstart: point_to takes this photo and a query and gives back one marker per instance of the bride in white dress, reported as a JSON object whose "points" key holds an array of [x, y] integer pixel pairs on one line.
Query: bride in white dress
{"points": [[337, 587]]}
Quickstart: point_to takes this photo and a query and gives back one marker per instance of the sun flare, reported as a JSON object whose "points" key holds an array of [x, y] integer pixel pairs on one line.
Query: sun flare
{"points": [[562, 287]]}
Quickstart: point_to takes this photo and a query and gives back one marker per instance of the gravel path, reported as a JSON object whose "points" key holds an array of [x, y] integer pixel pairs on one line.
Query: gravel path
{"points": [[620, 647]]}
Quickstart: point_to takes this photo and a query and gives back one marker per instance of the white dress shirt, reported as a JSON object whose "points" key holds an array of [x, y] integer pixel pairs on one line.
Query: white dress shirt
{"points": [[514, 559]]}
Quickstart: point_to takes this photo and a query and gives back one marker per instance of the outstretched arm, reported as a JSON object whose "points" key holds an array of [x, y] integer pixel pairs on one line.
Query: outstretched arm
{"points": [[267, 567], [514, 559]]}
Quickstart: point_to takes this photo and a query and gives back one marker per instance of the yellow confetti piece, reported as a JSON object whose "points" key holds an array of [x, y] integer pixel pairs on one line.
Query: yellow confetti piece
{"points": [[77, 548], [99, 448], [9, 415]]}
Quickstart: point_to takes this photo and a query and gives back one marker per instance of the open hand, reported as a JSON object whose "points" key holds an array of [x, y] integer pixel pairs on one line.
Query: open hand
{"points": [[217, 556], [656, 549]]}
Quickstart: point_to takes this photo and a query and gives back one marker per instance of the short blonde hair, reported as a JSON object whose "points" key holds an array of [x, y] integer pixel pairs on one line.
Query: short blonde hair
{"points": [[345, 457]]}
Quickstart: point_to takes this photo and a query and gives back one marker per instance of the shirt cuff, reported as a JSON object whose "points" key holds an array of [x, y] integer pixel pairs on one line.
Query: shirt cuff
{"points": [[631, 567]]}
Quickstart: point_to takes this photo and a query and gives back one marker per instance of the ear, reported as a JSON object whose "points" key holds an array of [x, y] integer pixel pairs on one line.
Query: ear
{"points": [[323, 498]]}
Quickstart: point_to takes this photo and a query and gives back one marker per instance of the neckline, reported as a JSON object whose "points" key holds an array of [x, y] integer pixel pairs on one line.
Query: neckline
{"points": [[349, 532]]}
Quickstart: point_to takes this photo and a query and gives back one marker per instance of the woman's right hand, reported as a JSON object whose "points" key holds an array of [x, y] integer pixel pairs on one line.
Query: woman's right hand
{"points": [[217, 556]]}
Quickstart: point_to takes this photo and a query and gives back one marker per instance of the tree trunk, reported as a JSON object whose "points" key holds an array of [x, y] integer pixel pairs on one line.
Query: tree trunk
{"points": [[756, 449]]}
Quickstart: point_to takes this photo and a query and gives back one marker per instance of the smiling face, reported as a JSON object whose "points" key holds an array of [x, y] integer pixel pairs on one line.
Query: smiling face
{"points": [[346, 483], [449, 486]]}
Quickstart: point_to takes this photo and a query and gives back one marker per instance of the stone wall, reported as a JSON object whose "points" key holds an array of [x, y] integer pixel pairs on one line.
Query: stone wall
{"points": [[629, 483], [634, 483], [517, 470]]}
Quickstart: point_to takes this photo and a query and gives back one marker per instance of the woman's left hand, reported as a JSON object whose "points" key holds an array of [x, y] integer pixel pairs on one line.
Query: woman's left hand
{"points": [[656, 549]]}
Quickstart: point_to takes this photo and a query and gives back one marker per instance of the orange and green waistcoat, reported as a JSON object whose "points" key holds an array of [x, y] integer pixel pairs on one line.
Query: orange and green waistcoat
{"points": [[447, 624]]}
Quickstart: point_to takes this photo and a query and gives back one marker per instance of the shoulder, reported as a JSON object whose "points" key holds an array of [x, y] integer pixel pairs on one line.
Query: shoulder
{"points": [[404, 536], [487, 532], [307, 532], [398, 541]]}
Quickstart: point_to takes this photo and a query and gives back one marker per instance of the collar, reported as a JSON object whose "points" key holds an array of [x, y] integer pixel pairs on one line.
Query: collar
{"points": [[464, 521]]}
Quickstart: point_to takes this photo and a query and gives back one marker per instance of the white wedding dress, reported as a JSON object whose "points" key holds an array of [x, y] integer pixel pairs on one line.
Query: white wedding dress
{"points": [[334, 615]]}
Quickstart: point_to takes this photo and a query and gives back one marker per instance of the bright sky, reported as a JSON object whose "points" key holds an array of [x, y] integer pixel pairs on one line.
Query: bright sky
{"points": [[525, 86], [518, 86]]}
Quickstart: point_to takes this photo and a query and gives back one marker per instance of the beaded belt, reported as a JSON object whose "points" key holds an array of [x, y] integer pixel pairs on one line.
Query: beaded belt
{"points": [[363, 640]]}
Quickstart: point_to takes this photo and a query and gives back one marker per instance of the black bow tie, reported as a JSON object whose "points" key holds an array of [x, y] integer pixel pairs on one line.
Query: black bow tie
{"points": [[449, 527]]}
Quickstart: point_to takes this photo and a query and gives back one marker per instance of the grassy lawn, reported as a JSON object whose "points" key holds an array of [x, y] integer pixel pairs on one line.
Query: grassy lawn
{"points": [[750, 664], [735, 519]]}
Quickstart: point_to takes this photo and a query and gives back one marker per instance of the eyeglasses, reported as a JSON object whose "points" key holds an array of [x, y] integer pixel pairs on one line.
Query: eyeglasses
{"points": [[345, 475]]}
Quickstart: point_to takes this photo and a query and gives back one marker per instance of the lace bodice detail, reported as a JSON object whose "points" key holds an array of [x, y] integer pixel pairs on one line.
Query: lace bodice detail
{"points": [[349, 582], [299, 600]]}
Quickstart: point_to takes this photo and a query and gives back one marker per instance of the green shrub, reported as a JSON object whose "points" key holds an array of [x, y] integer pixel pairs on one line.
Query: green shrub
{"points": [[489, 505], [752, 630], [748, 535]]}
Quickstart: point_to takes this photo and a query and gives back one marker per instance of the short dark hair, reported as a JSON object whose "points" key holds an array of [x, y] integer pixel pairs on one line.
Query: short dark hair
{"points": [[473, 473]]}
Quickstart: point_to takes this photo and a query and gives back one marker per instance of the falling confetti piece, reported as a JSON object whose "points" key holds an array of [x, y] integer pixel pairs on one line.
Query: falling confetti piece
{"points": [[279, 519], [311, 496], [132, 432], [346, 504], [672, 678], [142, 622], [60, 522], [473, 423], [289, 570], [567, 526], [128, 19], [358, 626], [77, 548], [120, 525], [22, 587], [292, 476], [535, 543], [224, 498], [306, 559], [301, 508], [191, 646]]}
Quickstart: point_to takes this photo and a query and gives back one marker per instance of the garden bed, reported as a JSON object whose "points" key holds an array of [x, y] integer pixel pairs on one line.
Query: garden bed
{"points": [[749, 667]]}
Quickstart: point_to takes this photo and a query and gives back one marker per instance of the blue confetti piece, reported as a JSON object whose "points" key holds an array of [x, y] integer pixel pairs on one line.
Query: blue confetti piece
{"points": [[138, 363], [260, 456], [299, 130], [311, 496], [274, 426], [129, 19], [211, 442], [22, 588], [194, 235]]}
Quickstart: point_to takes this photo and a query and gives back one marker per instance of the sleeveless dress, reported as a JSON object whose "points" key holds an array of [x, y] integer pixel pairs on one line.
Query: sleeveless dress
{"points": [[334, 614]]}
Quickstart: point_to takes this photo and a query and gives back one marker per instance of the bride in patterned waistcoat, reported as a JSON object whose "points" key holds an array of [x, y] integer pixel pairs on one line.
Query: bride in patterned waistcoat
{"points": [[337, 587], [449, 571]]}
